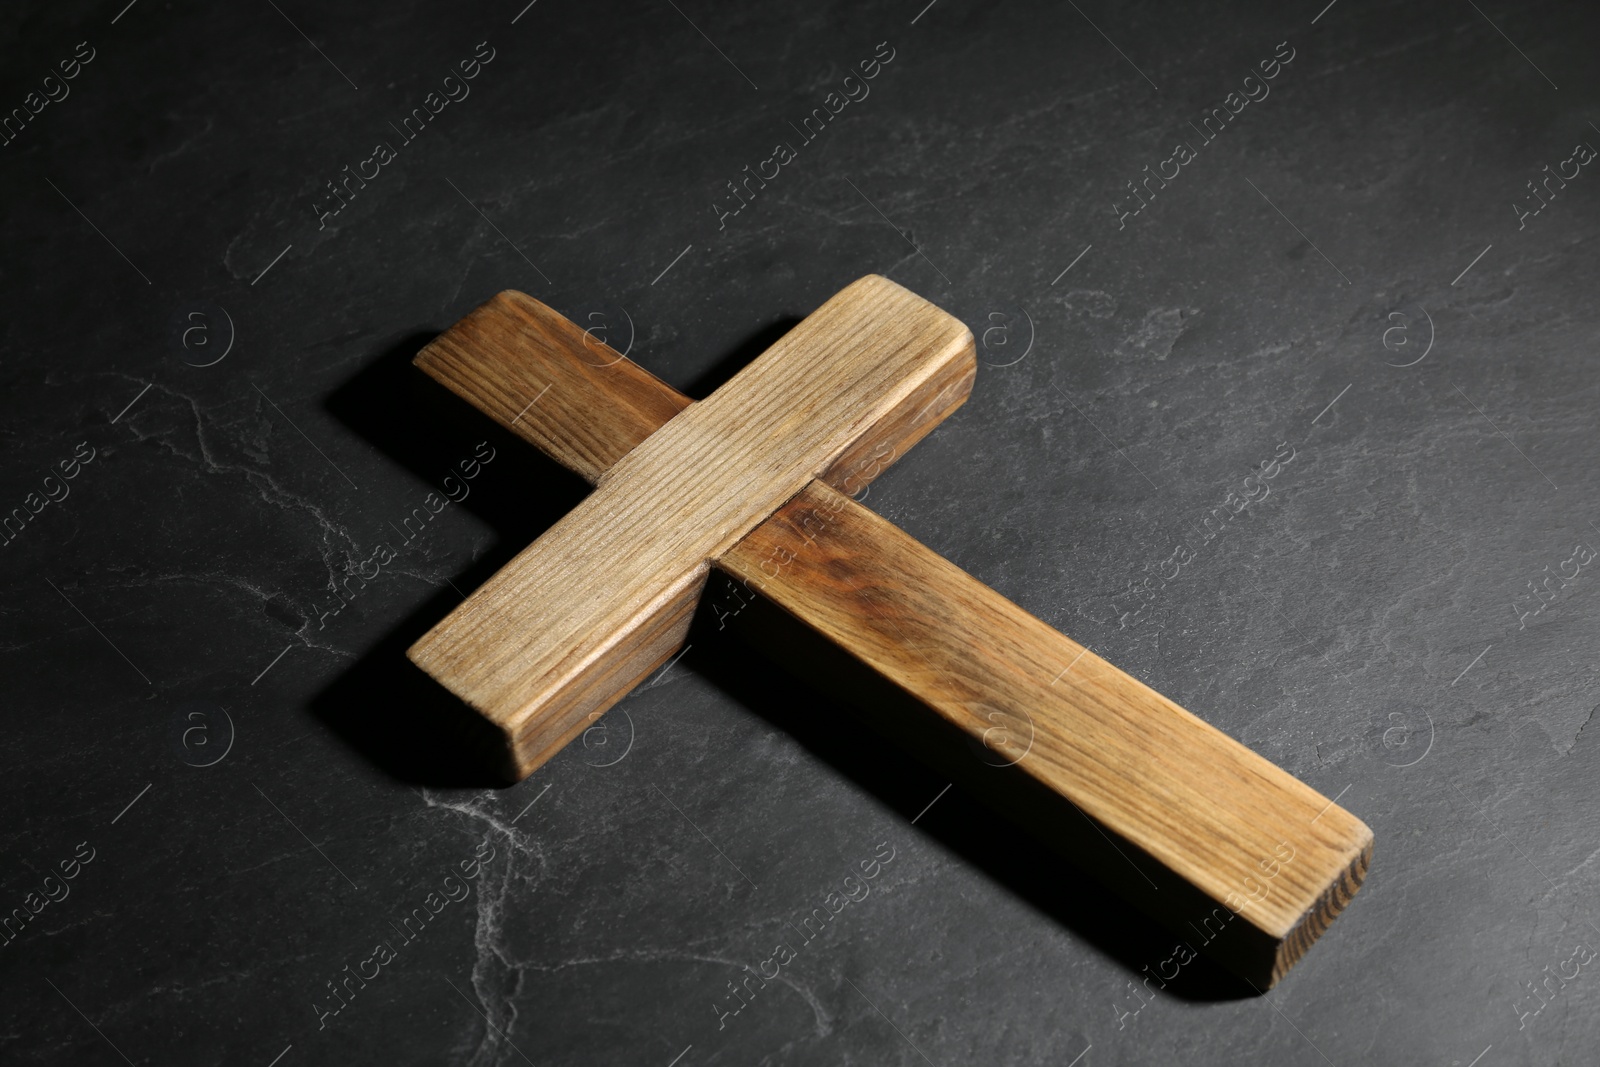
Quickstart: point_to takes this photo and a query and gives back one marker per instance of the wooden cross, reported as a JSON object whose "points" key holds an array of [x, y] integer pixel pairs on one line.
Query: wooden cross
{"points": [[1237, 856]]}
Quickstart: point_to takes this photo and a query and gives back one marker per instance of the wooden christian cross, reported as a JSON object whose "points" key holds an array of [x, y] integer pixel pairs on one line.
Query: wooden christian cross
{"points": [[1239, 857]]}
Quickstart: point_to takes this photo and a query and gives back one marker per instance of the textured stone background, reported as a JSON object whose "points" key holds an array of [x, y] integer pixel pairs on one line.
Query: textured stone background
{"points": [[1361, 626]]}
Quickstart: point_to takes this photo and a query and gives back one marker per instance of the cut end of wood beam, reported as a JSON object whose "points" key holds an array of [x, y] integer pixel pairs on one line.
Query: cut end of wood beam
{"points": [[1315, 922], [1234, 854]]}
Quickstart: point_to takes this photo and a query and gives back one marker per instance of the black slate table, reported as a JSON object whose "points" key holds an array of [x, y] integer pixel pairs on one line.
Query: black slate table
{"points": [[1288, 407]]}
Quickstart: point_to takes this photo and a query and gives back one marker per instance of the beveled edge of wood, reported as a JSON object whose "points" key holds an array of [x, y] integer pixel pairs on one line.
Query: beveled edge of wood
{"points": [[851, 472], [531, 743], [913, 419], [1258, 943], [477, 354], [1315, 922], [627, 410]]}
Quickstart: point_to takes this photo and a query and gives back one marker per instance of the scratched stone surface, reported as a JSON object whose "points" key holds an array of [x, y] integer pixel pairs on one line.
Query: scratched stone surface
{"points": [[1287, 406]]}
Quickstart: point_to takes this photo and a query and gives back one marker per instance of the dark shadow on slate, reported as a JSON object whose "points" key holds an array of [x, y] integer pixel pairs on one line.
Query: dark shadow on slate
{"points": [[709, 380], [835, 731], [427, 429], [384, 707], [415, 730], [404, 722]]}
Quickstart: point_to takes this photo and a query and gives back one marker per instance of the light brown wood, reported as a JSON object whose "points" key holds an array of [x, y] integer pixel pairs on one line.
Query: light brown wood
{"points": [[1208, 829], [557, 387], [512, 353], [580, 616], [1238, 857]]}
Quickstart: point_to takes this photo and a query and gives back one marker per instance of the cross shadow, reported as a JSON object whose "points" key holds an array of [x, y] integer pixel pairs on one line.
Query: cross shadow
{"points": [[417, 732], [383, 706], [710, 380], [821, 704]]}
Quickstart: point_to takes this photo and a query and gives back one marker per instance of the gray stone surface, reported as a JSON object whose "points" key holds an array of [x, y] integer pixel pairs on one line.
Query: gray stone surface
{"points": [[266, 789]]}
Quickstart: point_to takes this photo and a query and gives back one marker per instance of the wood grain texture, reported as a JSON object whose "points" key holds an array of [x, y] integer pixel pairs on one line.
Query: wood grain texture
{"points": [[585, 405], [559, 388], [1177, 817], [577, 618], [1210, 824]]}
